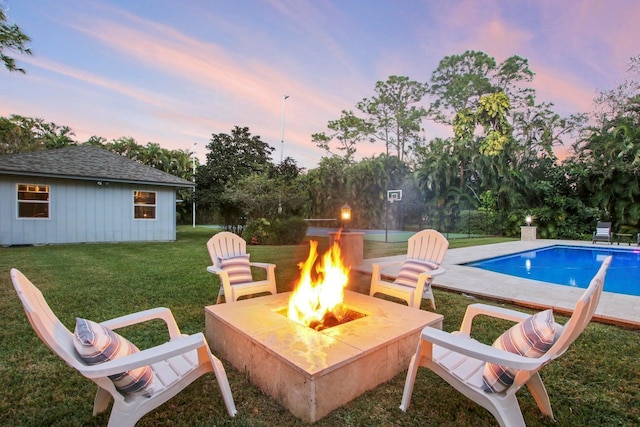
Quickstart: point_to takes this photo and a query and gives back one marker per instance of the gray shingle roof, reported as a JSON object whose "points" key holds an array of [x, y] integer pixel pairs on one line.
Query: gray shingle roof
{"points": [[86, 162]]}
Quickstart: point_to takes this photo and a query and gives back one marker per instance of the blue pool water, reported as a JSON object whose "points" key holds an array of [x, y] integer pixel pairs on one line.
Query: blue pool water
{"points": [[571, 266]]}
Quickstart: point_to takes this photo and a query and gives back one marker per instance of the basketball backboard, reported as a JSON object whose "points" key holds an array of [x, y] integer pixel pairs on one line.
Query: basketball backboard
{"points": [[394, 195]]}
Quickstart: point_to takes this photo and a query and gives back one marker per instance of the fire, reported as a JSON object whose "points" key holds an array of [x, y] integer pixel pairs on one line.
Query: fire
{"points": [[314, 301]]}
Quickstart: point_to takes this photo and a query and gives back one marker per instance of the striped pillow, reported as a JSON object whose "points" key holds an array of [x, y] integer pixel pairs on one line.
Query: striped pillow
{"points": [[530, 338], [96, 344], [238, 268], [410, 271]]}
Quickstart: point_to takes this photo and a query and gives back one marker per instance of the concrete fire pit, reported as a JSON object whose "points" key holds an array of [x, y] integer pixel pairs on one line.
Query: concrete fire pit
{"points": [[312, 373]]}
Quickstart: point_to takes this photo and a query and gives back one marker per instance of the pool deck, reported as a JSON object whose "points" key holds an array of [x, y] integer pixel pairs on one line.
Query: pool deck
{"points": [[613, 308]]}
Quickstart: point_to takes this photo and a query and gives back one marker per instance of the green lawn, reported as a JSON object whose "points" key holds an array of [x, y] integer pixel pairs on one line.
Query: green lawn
{"points": [[595, 383]]}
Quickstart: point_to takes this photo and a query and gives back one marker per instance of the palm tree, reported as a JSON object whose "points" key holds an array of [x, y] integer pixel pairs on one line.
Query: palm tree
{"points": [[13, 39], [327, 187]]}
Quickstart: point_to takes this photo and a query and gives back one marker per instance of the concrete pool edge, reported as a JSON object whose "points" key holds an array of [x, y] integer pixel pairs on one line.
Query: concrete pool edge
{"points": [[623, 310]]}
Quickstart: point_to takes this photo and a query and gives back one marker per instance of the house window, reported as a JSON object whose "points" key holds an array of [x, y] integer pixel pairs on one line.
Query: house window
{"points": [[33, 201], [144, 204]]}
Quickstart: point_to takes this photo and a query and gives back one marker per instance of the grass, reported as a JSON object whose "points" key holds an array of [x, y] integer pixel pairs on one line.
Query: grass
{"points": [[594, 383]]}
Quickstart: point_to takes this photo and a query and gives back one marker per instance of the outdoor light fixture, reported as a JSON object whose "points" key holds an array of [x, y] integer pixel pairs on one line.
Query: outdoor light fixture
{"points": [[345, 215], [528, 220]]}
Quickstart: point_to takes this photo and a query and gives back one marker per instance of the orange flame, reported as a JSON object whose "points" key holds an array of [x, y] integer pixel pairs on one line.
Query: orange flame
{"points": [[313, 300]]}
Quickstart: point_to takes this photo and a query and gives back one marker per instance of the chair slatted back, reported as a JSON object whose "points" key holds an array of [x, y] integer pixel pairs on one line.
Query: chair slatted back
{"points": [[43, 321], [580, 318], [602, 226], [225, 244], [583, 312], [427, 245]]}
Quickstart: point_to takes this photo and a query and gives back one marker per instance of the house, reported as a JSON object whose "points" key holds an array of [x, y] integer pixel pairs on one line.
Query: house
{"points": [[84, 194]]}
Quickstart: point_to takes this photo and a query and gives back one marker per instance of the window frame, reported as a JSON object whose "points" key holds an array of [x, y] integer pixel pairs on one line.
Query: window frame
{"points": [[143, 206], [33, 189]]}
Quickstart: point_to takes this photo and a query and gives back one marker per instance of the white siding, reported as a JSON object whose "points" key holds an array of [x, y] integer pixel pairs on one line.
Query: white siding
{"points": [[83, 212]]}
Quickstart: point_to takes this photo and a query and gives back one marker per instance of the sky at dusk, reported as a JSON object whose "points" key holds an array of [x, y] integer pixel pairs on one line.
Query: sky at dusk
{"points": [[174, 72]]}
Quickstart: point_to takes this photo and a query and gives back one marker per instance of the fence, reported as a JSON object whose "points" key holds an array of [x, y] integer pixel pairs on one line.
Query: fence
{"points": [[446, 219]]}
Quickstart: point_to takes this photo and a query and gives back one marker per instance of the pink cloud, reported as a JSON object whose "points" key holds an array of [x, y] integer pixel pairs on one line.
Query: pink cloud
{"points": [[565, 90], [237, 84], [94, 80]]}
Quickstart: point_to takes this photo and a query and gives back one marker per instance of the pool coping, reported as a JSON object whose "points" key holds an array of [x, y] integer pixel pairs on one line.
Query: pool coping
{"points": [[623, 310]]}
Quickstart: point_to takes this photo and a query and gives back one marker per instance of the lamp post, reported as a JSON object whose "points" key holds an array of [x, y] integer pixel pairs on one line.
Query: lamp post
{"points": [[528, 232], [345, 215], [351, 242], [284, 98], [193, 178]]}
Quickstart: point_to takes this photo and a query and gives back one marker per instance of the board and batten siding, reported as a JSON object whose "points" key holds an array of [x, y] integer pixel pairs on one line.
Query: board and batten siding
{"points": [[85, 212]]}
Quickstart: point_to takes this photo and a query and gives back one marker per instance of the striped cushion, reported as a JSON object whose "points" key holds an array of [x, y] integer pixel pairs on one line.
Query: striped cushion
{"points": [[530, 338], [96, 344], [238, 268], [410, 271]]}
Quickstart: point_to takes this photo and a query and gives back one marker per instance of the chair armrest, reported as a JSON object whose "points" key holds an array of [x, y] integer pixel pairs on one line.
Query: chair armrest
{"points": [[462, 344], [145, 357], [224, 275], [215, 270], [161, 313], [376, 268], [269, 268], [264, 265], [437, 272], [382, 265], [474, 310], [224, 280]]}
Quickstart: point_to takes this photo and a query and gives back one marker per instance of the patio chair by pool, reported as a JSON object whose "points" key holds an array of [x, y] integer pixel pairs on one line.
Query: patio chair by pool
{"points": [[425, 252], [602, 233], [491, 375], [228, 253], [138, 381]]}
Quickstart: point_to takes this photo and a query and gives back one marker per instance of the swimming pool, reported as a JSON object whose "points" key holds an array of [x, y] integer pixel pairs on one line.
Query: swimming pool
{"points": [[571, 266]]}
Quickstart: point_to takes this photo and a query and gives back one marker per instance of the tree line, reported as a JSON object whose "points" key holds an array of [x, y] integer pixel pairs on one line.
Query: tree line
{"points": [[498, 166]]}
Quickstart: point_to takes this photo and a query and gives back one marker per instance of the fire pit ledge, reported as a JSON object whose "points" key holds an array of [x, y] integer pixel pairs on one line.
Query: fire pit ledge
{"points": [[313, 372]]}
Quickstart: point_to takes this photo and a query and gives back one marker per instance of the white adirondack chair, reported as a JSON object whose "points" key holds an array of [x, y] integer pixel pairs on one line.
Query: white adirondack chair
{"points": [[224, 246], [175, 364], [460, 360], [425, 253]]}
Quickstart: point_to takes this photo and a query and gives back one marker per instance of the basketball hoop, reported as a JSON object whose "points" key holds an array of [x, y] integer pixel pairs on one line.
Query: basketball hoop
{"points": [[394, 195]]}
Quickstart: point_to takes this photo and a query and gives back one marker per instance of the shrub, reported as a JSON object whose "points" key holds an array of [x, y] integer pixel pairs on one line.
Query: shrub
{"points": [[257, 232], [290, 231]]}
